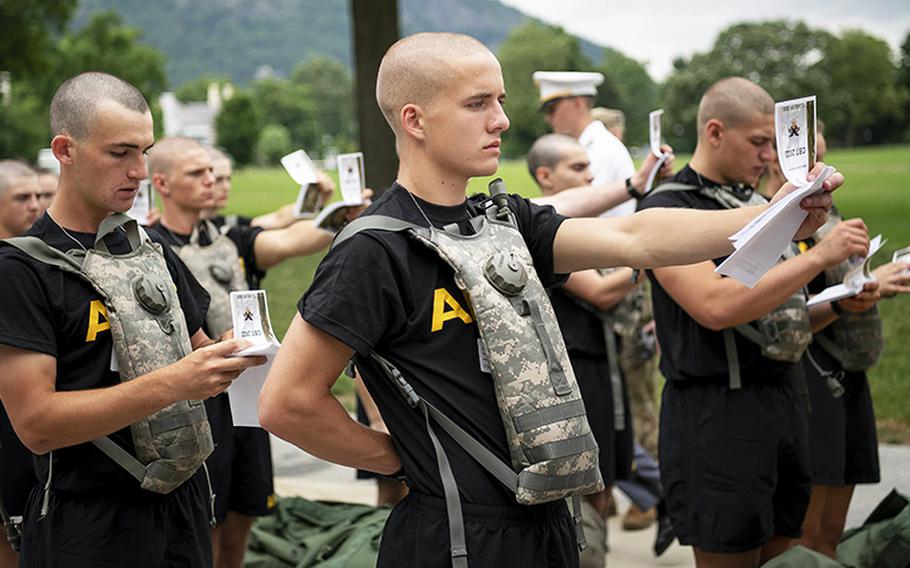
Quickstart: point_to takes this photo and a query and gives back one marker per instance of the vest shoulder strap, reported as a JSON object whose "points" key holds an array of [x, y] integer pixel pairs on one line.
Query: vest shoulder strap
{"points": [[375, 223], [671, 186], [43, 252]]}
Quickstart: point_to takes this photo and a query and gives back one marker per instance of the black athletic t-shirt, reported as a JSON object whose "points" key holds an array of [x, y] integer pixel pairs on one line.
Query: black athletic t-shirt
{"points": [[690, 351], [382, 290], [243, 237], [582, 330], [54, 312]]}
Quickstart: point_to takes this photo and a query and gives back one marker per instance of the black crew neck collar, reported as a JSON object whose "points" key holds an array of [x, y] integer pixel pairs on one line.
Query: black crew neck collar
{"points": [[441, 214]]}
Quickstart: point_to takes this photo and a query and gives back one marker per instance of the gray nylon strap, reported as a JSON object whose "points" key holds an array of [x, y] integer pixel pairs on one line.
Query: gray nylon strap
{"points": [[134, 234], [374, 222], [166, 423], [557, 374], [210, 229], [563, 448], [752, 335], [578, 519], [176, 451], [43, 252], [121, 457], [537, 482], [832, 348], [619, 403], [732, 359], [548, 415], [457, 542]]}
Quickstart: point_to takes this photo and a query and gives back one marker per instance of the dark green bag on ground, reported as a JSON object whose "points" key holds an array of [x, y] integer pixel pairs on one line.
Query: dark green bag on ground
{"points": [[305, 533], [883, 541]]}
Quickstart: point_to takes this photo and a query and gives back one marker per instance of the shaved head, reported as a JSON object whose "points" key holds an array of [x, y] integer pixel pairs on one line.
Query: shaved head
{"points": [[549, 150], [75, 104], [733, 101], [12, 172], [168, 152], [417, 67]]}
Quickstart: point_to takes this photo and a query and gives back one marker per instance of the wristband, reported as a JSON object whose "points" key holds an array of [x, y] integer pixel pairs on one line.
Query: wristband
{"points": [[835, 307], [632, 191]]}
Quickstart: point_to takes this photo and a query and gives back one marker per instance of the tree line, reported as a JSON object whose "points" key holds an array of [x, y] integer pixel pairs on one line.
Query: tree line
{"points": [[862, 86]]}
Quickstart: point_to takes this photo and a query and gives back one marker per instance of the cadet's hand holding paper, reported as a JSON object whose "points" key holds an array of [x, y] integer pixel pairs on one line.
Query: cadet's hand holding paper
{"points": [[855, 278], [353, 181], [654, 121], [250, 312], [301, 169]]}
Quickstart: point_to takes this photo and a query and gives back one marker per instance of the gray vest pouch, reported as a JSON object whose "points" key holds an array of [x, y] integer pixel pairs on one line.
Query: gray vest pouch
{"points": [[217, 268], [149, 332], [856, 341]]}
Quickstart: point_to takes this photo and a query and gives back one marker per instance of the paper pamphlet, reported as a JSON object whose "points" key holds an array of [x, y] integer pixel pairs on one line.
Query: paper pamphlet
{"points": [[854, 280], [301, 169], [250, 312], [759, 244], [143, 202], [351, 178], [654, 129]]}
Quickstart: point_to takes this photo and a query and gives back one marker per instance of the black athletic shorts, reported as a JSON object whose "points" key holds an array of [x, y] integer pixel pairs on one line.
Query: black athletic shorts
{"points": [[241, 465], [17, 472], [734, 463], [843, 443], [100, 530], [616, 446], [417, 535]]}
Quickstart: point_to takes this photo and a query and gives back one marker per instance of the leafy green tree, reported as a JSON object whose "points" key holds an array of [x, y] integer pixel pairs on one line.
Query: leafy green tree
{"points": [[531, 47], [197, 90], [332, 95], [237, 127], [780, 56], [274, 142], [904, 80], [28, 30], [628, 87], [23, 124], [289, 104], [863, 102]]}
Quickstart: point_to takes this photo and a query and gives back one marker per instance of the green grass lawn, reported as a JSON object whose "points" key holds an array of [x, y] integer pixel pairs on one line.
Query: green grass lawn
{"points": [[873, 192]]}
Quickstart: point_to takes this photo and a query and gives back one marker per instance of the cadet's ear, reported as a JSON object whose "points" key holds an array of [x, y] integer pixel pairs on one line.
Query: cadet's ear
{"points": [[542, 175], [62, 147], [412, 121], [714, 131], [159, 182]]}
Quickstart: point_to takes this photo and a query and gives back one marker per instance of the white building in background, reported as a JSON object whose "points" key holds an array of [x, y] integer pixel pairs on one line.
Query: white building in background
{"points": [[194, 120]]}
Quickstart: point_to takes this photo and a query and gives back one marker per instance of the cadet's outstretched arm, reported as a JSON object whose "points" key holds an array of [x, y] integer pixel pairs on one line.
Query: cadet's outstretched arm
{"points": [[46, 419], [297, 404], [603, 291], [667, 237], [300, 239]]}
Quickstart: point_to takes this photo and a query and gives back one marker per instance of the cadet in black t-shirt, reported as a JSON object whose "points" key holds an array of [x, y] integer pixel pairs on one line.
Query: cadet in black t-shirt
{"points": [[58, 384], [443, 96], [182, 171], [734, 463]]}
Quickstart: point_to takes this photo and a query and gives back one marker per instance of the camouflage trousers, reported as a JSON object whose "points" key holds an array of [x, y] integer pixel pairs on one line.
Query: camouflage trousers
{"points": [[642, 379]]}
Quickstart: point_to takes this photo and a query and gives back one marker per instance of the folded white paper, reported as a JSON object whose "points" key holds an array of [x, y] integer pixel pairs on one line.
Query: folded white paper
{"points": [[250, 313], [654, 122], [854, 280]]}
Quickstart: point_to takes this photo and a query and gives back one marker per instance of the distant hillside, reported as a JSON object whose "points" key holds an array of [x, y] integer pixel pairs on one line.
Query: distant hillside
{"points": [[237, 37]]}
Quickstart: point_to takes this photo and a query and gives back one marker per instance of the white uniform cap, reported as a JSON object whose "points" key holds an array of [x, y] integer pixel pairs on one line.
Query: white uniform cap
{"points": [[559, 84]]}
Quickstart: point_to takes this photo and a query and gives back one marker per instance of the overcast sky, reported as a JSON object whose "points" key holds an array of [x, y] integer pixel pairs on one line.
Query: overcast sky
{"points": [[655, 32]]}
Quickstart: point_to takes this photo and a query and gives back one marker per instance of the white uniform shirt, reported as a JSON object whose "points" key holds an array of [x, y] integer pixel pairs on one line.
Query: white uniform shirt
{"points": [[610, 161]]}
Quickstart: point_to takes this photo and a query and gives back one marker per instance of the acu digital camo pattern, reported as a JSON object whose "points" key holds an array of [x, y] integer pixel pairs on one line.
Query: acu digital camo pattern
{"points": [[217, 268], [532, 375], [856, 341]]}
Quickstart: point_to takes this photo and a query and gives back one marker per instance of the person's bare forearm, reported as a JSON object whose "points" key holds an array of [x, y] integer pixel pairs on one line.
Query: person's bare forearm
{"points": [[821, 316], [591, 200], [300, 239], [278, 219], [648, 239]]}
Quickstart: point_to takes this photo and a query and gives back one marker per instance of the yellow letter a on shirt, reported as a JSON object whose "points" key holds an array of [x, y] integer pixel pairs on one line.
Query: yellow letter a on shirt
{"points": [[97, 320], [441, 299]]}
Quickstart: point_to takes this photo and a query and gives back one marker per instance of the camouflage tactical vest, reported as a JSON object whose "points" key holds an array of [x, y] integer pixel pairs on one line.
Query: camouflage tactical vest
{"points": [[854, 340], [149, 332], [783, 333], [217, 268], [553, 452]]}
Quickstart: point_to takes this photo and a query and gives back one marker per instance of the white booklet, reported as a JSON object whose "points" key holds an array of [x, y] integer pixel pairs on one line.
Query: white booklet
{"points": [[759, 245], [854, 280], [654, 129], [250, 312], [352, 180], [902, 255], [301, 169], [143, 202]]}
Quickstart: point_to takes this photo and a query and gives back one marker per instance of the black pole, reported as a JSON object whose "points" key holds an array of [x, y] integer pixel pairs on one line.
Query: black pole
{"points": [[375, 28]]}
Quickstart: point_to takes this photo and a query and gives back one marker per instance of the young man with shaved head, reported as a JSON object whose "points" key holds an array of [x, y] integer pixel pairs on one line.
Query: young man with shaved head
{"points": [[63, 352], [182, 172], [393, 301], [733, 453]]}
